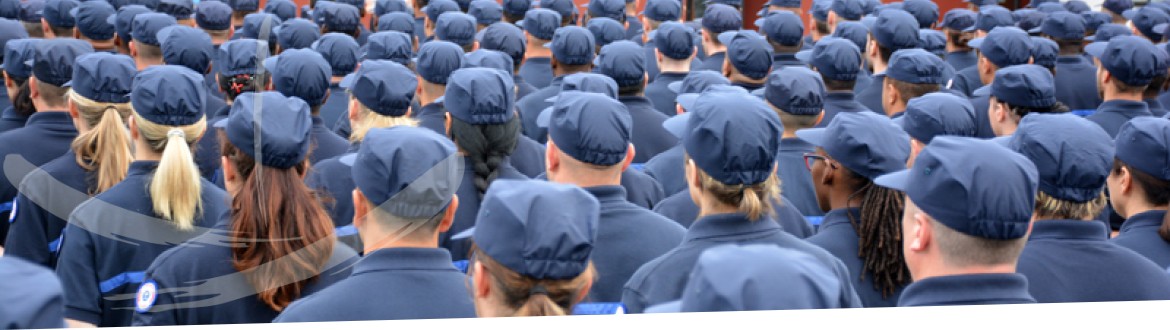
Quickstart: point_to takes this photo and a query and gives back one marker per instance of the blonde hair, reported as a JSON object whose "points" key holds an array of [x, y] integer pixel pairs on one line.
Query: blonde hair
{"points": [[368, 119], [175, 189], [105, 148], [1048, 207], [557, 298], [754, 200]]}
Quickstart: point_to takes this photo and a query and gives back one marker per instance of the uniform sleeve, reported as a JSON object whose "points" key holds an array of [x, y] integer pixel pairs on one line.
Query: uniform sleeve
{"points": [[849, 297], [633, 300], [28, 233], [78, 273], [160, 312], [47, 314]]}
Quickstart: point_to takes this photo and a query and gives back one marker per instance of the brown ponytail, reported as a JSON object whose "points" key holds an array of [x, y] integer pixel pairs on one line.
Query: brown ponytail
{"points": [[105, 148], [284, 236], [535, 297], [753, 200]]}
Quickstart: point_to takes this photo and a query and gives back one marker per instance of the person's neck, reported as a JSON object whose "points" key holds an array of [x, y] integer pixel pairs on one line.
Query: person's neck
{"points": [[1057, 218], [1111, 95], [674, 66], [1135, 207], [396, 241], [788, 133], [1007, 130], [951, 48], [709, 206], [107, 44], [892, 110], [41, 106], [878, 65], [944, 270], [216, 41], [712, 49], [841, 200], [536, 49], [586, 180], [737, 78], [143, 152], [336, 79], [144, 63], [425, 98]]}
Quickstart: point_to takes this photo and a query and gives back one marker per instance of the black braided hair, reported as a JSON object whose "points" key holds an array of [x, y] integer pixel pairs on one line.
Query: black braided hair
{"points": [[488, 146], [880, 236]]}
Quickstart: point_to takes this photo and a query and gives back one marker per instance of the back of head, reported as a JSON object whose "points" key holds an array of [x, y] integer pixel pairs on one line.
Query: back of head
{"points": [[437, 60], [1072, 179], [340, 50], [625, 62], [186, 46], [100, 91], [237, 66], [759, 277], [301, 73], [480, 103]]}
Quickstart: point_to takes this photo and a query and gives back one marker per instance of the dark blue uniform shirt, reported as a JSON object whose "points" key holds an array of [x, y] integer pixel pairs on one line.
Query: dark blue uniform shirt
{"points": [[31, 296], [652, 70], [628, 236], [962, 60], [639, 189], [981, 102], [469, 201], [668, 169], [780, 61], [325, 143], [871, 96], [795, 180], [713, 62], [528, 157], [864, 78], [634, 31], [680, 208], [537, 71], [523, 88], [102, 262], [664, 278], [207, 156], [34, 232], [841, 101], [10, 120], [395, 284], [1072, 261], [333, 182], [649, 137], [1156, 107], [1076, 82], [433, 116], [1140, 234], [837, 235], [1114, 113], [660, 94], [335, 107], [420, 30], [52, 133], [976, 289], [966, 80], [530, 107]]}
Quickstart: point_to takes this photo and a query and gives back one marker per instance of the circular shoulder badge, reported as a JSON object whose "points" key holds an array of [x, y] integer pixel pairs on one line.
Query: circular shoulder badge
{"points": [[147, 293]]}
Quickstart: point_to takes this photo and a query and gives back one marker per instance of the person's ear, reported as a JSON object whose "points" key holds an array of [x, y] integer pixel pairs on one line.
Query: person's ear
{"points": [[33, 92], [1106, 77], [133, 125], [449, 215], [353, 110], [46, 30], [678, 109], [474, 46], [76, 34], [482, 286], [552, 160], [920, 234], [891, 94], [361, 207], [133, 48], [820, 117], [73, 112], [229, 169], [657, 56], [830, 174], [8, 80], [726, 69], [630, 152], [998, 112], [584, 291], [447, 123], [1125, 181], [409, 110]]}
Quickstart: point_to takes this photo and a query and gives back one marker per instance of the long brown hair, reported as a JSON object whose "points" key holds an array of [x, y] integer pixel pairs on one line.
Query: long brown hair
{"points": [[105, 148], [275, 216], [558, 298]]}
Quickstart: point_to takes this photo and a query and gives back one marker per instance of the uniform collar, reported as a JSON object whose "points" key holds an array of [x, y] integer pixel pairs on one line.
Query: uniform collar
{"points": [[784, 57], [984, 90], [728, 224], [841, 217], [795, 144], [10, 113], [635, 101], [142, 167], [1070, 59], [671, 75], [961, 53], [607, 193], [839, 96], [404, 259], [966, 289], [50, 119], [747, 86], [318, 122], [1153, 103], [1143, 221], [517, 79], [1127, 107], [1068, 230], [556, 82]]}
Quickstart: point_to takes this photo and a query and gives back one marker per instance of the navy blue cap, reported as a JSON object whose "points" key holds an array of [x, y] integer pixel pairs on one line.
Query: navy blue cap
{"points": [[384, 87], [663, 10], [573, 45], [756, 277], [297, 33], [1144, 144], [169, 95], [179, 9], [1064, 26], [733, 3], [613, 9], [733, 147], [437, 60], [605, 30], [239, 57], [541, 23], [53, 59], [486, 12], [213, 15], [1117, 6], [1029, 19], [590, 127], [697, 81], [625, 62], [949, 182], [152, 4], [925, 11], [11, 30], [835, 58], [820, 10], [674, 40], [1108, 31], [283, 9], [254, 24], [389, 45], [566, 8], [866, 143], [1072, 155], [506, 38], [1044, 52], [58, 13], [983, 3], [486, 58], [407, 171], [244, 5], [31, 10], [848, 9], [18, 53], [937, 114], [338, 17], [480, 96], [456, 27], [855, 32], [1132, 60], [145, 27], [748, 52], [1144, 19], [383, 7], [1094, 20], [916, 66], [719, 18], [1077, 6], [796, 4], [10, 10], [359, 4], [538, 229], [186, 46], [991, 18], [783, 27], [895, 29], [1049, 7], [103, 77], [301, 73], [92, 19], [517, 7], [1004, 46], [436, 7], [795, 90], [1025, 85], [933, 41], [340, 50], [397, 21], [583, 82], [283, 124]]}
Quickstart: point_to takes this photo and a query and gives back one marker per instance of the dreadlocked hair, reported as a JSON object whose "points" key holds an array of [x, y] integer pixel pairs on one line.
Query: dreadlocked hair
{"points": [[880, 236], [487, 146]]}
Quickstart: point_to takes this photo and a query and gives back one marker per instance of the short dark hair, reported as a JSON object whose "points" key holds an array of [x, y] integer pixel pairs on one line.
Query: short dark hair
{"points": [[822, 27], [631, 90], [62, 32], [148, 51], [838, 85], [910, 91], [1069, 47]]}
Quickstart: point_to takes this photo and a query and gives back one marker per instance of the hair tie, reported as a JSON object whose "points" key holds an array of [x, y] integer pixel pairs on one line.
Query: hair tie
{"points": [[537, 289], [176, 132]]}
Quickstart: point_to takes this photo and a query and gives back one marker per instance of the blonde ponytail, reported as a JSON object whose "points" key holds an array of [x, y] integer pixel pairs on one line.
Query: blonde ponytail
{"points": [[753, 200], [176, 187], [105, 148], [368, 119]]}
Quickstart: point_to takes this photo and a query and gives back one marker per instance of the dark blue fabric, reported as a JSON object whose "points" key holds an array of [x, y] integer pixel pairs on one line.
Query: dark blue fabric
{"points": [[31, 295], [837, 102], [528, 157], [96, 268], [1076, 82], [781, 60], [966, 80], [32, 228], [668, 169], [981, 103], [207, 156], [1072, 261], [325, 143], [432, 116], [962, 60], [1140, 234], [333, 182], [523, 88], [335, 107], [1155, 105], [1114, 113], [837, 235], [713, 62], [537, 71], [660, 94], [864, 78], [52, 131], [649, 137], [652, 70], [622, 244], [400, 283], [795, 180], [1164, 98], [634, 31], [469, 200], [664, 278], [5, 100], [680, 208], [530, 107], [10, 120], [640, 189], [978, 289], [871, 96]]}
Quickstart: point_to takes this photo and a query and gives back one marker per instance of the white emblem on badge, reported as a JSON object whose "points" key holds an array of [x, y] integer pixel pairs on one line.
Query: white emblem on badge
{"points": [[147, 293]]}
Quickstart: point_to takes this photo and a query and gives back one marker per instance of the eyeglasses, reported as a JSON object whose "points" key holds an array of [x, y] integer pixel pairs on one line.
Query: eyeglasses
{"points": [[811, 158]]}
